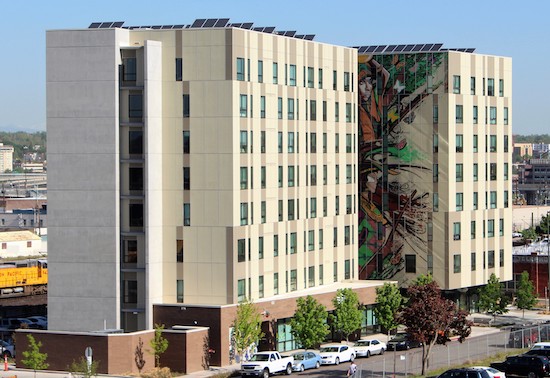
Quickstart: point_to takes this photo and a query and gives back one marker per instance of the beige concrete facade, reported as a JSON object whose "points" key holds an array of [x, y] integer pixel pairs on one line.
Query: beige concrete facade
{"points": [[170, 171], [6, 158]]}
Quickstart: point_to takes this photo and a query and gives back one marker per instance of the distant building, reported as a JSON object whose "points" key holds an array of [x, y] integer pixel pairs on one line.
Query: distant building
{"points": [[6, 158], [523, 149], [19, 244]]}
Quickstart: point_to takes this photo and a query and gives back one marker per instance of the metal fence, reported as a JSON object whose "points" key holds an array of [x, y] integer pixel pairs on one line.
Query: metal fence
{"points": [[409, 362]]}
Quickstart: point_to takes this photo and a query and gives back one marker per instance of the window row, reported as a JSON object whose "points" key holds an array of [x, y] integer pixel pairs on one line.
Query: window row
{"points": [[490, 200], [487, 87], [490, 115], [488, 261], [488, 229], [490, 172], [490, 143], [289, 73], [244, 286]]}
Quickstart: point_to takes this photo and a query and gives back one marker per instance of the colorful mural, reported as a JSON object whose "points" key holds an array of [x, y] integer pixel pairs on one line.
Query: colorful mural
{"points": [[395, 121]]}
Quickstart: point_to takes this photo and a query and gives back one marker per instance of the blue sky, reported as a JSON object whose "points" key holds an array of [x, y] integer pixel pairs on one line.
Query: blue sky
{"points": [[518, 29]]}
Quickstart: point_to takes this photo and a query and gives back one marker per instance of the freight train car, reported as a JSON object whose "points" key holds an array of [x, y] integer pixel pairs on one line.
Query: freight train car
{"points": [[25, 277]]}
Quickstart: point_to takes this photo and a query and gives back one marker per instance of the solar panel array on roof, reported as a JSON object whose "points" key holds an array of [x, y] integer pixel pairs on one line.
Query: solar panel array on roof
{"points": [[395, 49]]}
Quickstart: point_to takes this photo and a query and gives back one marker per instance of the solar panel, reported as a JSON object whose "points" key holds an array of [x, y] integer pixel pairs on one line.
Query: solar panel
{"points": [[399, 48], [247, 25], [290, 33], [94, 25], [178, 26], [380, 48], [362, 49], [470, 50], [118, 24], [390, 48], [269, 29], [210, 22], [222, 22], [105, 25], [370, 49], [237, 25], [408, 48], [309, 37], [167, 26], [299, 36], [198, 23], [259, 29], [157, 26], [436, 47], [427, 47], [417, 47]]}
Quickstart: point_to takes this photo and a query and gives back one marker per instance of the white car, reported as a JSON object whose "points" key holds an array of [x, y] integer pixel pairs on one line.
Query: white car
{"points": [[366, 348], [334, 354], [493, 373], [6, 349]]}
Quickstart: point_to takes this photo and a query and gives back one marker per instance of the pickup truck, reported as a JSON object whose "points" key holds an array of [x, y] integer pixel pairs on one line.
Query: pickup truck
{"points": [[263, 364]]}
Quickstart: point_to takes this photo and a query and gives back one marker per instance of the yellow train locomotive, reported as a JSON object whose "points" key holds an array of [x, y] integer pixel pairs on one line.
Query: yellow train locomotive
{"points": [[25, 277]]}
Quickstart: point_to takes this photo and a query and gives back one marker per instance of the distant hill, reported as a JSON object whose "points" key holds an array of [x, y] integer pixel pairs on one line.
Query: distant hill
{"points": [[534, 138], [24, 142]]}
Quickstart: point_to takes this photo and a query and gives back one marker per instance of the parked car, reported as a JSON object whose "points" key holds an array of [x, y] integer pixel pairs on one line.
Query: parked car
{"points": [[403, 341], [263, 364], [366, 348], [525, 365], [306, 360], [6, 349], [39, 322], [493, 373], [470, 372], [334, 354]]}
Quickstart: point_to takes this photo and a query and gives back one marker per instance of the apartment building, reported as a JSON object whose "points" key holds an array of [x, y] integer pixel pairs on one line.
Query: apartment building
{"points": [[208, 163], [435, 129], [6, 158]]}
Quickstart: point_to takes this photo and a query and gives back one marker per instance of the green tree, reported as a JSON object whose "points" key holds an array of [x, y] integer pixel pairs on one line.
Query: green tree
{"points": [[247, 326], [309, 324], [545, 224], [529, 234], [81, 369], [33, 358], [158, 344], [388, 302], [525, 293], [491, 299], [423, 279], [431, 319], [347, 312]]}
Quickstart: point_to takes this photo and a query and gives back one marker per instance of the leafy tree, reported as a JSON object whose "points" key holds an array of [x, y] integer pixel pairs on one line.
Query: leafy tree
{"points": [[525, 293], [529, 234], [247, 326], [347, 312], [389, 300], [431, 319], [491, 299], [33, 358], [309, 324], [545, 224], [423, 279], [81, 369], [158, 344], [138, 355]]}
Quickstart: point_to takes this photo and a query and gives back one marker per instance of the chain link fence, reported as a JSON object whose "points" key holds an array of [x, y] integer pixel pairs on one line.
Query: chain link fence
{"points": [[405, 363]]}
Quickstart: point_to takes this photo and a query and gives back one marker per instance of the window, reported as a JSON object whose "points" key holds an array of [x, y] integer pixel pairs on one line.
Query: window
{"points": [[261, 246], [241, 250], [244, 214], [262, 215], [261, 286], [240, 69], [337, 143], [491, 228], [491, 259], [456, 263], [275, 73], [293, 280], [458, 113], [136, 214], [130, 291], [459, 172], [325, 206], [187, 214], [473, 261], [475, 171], [135, 106], [493, 115], [459, 201], [435, 172], [346, 81], [348, 204], [337, 174], [131, 251], [505, 169], [310, 77], [347, 274], [290, 175], [280, 142], [262, 108], [435, 202], [410, 263], [348, 112], [474, 144], [475, 201], [313, 207], [493, 199], [483, 91], [505, 115], [505, 144], [260, 71], [324, 111], [280, 176], [493, 171], [280, 108], [320, 238], [186, 135], [456, 231], [244, 178], [244, 142], [293, 243], [337, 205], [347, 236], [275, 245], [493, 143], [501, 88], [459, 142], [129, 69], [179, 69], [313, 143], [501, 227], [292, 75], [435, 143], [280, 210], [248, 79], [435, 114], [243, 106], [320, 78], [334, 79], [135, 178], [475, 114], [241, 290], [290, 109], [313, 175], [310, 240], [490, 87], [505, 198], [275, 283], [348, 173], [335, 271], [335, 237], [501, 258], [473, 229], [135, 142], [456, 84], [313, 110], [472, 85], [337, 111], [186, 178], [290, 209]]}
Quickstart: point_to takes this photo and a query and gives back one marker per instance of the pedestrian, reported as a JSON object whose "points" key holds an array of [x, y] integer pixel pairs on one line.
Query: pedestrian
{"points": [[352, 369]]}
